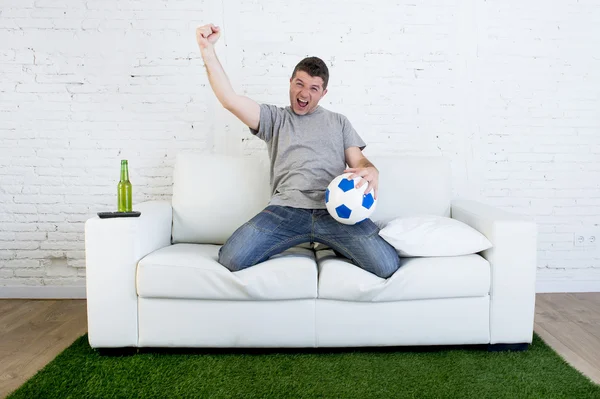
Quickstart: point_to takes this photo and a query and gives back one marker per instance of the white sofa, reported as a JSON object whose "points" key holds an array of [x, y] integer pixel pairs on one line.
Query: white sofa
{"points": [[154, 281]]}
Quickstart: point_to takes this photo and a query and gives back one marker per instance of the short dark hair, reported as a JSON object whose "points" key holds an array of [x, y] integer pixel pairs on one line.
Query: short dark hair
{"points": [[314, 66]]}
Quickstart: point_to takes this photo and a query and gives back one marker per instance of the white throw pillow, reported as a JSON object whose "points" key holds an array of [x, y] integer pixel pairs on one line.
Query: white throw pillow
{"points": [[429, 235]]}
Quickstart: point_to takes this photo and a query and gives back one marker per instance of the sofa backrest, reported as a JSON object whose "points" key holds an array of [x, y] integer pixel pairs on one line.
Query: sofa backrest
{"points": [[411, 185], [215, 194]]}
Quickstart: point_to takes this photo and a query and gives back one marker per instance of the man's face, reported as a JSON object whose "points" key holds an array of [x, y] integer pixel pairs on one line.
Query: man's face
{"points": [[305, 92]]}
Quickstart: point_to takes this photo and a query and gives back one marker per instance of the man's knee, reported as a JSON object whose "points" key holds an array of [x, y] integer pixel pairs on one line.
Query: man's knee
{"points": [[385, 260], [387, 266], [234, 259], [238, 252]]}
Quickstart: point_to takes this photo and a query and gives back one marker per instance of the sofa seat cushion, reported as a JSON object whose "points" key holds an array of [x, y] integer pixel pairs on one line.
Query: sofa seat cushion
{"points": [[191, 271], [417, 278]]}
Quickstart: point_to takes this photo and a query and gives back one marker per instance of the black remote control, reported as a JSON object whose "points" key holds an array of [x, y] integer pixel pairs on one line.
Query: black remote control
{"points": [[106, 215]]}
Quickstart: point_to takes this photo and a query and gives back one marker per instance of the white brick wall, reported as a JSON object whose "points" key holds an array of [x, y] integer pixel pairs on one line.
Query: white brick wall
{"points": [[509, 91], [540, 127]]}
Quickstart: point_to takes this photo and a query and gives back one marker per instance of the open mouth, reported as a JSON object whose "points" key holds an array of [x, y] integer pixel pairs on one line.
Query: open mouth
{"points": [[302, 104]]}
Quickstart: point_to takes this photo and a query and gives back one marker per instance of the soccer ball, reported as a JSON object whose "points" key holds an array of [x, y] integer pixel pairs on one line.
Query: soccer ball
{"points": [[346, 203]]}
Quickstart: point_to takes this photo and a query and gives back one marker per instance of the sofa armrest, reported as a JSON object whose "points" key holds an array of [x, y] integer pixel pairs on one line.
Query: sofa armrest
{"points": [[113, 248], [513, 265]]}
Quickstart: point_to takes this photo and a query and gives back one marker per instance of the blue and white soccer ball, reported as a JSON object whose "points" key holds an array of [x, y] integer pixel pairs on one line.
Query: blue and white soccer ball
{"points": [[346, 203]]}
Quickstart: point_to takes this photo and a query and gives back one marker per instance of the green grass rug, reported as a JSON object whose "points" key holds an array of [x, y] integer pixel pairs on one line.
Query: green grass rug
{"points": [[80, 372]]}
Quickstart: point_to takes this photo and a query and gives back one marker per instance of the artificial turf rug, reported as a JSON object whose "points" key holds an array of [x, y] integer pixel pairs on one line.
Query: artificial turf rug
{"points": [[80, 372]]}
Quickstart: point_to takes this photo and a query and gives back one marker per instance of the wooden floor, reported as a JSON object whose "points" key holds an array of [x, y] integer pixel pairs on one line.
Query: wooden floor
{"points": [[33, 332], [570, 324]]}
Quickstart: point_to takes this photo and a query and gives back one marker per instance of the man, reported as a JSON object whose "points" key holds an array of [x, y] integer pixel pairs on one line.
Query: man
{"points": [[308, 146]]}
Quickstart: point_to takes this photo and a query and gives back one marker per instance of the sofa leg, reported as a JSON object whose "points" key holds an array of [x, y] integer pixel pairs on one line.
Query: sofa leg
{"points": [[508, 347], [125, 351]]}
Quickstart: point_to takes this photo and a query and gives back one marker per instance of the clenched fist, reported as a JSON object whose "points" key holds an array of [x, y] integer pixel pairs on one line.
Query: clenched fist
{"points": [[207, 35]]}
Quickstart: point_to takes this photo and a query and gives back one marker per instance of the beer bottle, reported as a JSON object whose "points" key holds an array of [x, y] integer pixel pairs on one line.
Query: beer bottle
{"points": [[124, 189]]}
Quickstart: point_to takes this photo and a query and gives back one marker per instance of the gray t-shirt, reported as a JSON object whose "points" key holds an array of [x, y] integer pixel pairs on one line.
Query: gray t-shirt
{"points": [[306, 152]]}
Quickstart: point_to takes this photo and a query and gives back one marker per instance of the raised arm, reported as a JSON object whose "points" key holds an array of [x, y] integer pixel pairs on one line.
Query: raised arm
{"points": [[244, 108]]}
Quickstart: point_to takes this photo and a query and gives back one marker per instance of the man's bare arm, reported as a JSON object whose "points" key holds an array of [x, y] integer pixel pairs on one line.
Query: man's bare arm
{"points": [[244, 108], [359, 165]]}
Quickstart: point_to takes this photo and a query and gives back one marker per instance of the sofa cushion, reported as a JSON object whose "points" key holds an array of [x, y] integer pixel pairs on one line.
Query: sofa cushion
{"points": [[432, 235], [412, 185], [191, 271], [213, 195], [417, 278]]}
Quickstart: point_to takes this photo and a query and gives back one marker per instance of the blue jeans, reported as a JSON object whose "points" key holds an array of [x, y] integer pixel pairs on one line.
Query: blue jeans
{"points": [[278, 228]]}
